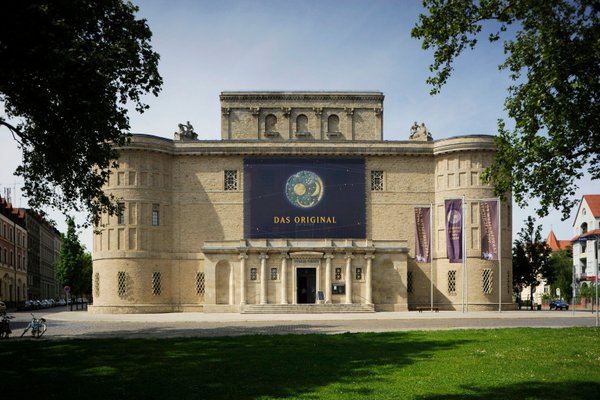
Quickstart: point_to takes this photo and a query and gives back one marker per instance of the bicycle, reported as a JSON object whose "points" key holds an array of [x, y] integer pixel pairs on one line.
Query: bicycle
{"points": [[37, 326], [5, 330]]}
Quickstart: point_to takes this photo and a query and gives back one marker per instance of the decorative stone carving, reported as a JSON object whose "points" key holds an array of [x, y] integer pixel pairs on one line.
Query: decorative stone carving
{"points": [[378, 111], [255, 111], [349, 111], [286, 111], [420, 132], [186, 132], [318, 111], [225, 111]]}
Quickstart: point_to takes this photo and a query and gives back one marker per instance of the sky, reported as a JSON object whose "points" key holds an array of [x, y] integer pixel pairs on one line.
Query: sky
{"points": [[207, 47]]}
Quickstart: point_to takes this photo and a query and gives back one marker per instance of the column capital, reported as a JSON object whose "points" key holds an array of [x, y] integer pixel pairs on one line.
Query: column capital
{"points": [[349, 256], [329, 256], [284, 255], [263, 256], [369, 256], [243, 256]]}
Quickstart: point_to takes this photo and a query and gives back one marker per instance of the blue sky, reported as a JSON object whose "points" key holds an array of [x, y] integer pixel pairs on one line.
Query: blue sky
{"points": [[207, 47]]}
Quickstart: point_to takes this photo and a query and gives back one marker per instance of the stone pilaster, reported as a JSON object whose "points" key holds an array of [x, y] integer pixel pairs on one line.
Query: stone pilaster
{"points": [[349, 258], [263, 277]]}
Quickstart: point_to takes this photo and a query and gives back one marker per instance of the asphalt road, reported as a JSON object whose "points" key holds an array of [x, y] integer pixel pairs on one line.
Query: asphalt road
{"points": [[81, 324]]}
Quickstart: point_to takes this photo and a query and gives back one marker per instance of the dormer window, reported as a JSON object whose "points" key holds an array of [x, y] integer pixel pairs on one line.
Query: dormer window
{"points": [[584, 228]]}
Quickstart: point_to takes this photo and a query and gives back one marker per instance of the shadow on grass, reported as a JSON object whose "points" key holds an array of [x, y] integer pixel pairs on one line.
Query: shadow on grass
{"points": [[240, 367], [526, 390]]}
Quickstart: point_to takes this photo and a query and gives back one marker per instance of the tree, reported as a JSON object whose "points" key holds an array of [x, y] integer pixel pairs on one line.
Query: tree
{"points": [[552, 52], [531, 256], [561, 262], [74, 269], [68, 71]]}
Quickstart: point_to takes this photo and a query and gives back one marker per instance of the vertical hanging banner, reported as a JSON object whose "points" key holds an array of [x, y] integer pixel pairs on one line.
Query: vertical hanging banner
{"points": [[422, 234], [454, 231], [488, 218]]}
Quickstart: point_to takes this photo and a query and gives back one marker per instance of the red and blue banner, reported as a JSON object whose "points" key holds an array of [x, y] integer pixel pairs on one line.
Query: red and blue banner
{"points": [[304, 198]]}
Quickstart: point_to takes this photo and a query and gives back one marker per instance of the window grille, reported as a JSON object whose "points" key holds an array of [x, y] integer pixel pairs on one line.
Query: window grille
{"points": [[253, 276], [377, 181], [96, 284], [231, 180], [273, 274], [487, 281], [122, 287], [338, 274], [156, 283], [409, 282], [155, 215], [452, 282], [200, 284], [358, 274]]}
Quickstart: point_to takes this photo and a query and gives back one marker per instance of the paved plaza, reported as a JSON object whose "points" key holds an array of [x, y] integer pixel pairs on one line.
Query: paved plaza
{"points": [[81, 324]]}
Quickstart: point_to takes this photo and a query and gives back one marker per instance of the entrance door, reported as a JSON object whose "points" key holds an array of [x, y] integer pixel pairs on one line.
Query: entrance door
{"points": [[306, 281]]}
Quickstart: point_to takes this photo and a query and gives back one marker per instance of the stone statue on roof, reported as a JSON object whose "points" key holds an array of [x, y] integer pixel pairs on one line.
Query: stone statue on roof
{"points": [[420, 132], [186, 132]]}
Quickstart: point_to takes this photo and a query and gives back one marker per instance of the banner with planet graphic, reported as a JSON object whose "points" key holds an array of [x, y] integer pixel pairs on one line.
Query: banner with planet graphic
{"points": [[303, 198]]}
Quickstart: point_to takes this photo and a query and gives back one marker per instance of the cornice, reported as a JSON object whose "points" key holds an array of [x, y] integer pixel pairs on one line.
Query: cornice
{"points": [[301, 96]]}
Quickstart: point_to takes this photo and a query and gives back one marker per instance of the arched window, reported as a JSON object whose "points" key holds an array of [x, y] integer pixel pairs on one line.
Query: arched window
{"points": [[302, 123], [584, 228], [271, 124], [333, 123]]}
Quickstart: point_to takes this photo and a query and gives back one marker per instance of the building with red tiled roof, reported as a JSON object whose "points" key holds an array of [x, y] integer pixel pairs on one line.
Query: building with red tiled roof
{"points": [[586, 229], [555, 244], [13, 254]]}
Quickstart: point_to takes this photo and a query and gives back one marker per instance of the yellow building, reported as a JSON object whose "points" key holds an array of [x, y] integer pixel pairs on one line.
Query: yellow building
{"points": [[302, 206]]}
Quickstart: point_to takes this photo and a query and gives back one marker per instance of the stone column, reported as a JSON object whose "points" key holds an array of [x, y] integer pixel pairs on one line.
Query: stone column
{"points": [[263, 277], [349, 258], [368, 278], [328, 258], [231, 286], [243, 257], [284, 258]]}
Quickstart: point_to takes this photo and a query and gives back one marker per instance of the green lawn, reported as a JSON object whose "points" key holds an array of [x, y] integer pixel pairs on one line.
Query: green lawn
{"points": [[473, 364]]}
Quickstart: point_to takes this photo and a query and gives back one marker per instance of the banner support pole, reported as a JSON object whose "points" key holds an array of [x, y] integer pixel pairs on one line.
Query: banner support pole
{"points": [[464, 257], [499, 255], [431, 251]]}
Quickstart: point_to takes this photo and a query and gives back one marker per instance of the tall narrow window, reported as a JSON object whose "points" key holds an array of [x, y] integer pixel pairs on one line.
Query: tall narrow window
{"points": [[200, 285], [122, 284], [302, 123], [231, 180], [96, 284], [121, 214], [452, 282], [156, 283], [409, 282], [377, 181], [270, 124], [155, 215], [486, 281], [333, 123], [273, 274]]}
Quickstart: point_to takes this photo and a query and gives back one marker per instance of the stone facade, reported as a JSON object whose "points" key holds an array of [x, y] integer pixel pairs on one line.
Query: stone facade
{"points": [[180, 242]]}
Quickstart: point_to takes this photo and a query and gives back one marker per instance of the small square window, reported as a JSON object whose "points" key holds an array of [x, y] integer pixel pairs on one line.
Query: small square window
{"points": [[377, 181]]}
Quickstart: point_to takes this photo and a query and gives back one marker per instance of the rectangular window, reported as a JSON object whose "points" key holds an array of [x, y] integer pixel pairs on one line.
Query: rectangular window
{"points": [[377, 181], [200, 285], [253, 276], [273, 274], [452, 282], [156, 283], [409, 282], [487, 281], [121, 284], [121, 214], [155, 215], [96, 284], [338, 274], [231, 180], [358, 274]]}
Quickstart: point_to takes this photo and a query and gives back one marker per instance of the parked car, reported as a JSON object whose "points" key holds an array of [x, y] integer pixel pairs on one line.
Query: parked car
{"points": [[558, 304], [2, 307]]}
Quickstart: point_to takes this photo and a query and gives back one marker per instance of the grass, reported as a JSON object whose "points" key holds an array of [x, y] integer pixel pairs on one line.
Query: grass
{"points": [[457, 364]]}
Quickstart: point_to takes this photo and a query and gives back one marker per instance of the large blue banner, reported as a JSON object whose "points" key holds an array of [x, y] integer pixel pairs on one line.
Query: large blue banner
{"points": [[304, 198]]}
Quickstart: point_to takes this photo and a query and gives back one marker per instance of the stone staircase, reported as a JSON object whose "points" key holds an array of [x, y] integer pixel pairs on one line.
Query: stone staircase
{"points": [[306, 308]]}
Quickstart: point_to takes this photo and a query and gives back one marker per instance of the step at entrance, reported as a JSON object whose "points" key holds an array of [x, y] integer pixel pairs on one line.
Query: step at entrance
{"points": [[307, 308]]}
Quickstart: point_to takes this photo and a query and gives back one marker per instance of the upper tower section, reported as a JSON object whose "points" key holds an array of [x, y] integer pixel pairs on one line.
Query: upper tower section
{"points": [[317, 116]]}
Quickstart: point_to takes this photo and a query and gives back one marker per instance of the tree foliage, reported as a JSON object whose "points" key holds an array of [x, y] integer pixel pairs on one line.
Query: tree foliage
{"points": [[561, 262], [552, 52], [68, 71], [74, 268], [531, 258]]}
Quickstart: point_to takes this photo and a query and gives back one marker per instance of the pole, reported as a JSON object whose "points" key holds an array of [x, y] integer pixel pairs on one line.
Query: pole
{"points": [[431, 252], [499, 255], [464, 257], [597, 265]]}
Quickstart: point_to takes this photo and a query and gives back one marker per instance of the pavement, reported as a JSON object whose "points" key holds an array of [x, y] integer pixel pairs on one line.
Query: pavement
{"points": [[81, 324]]}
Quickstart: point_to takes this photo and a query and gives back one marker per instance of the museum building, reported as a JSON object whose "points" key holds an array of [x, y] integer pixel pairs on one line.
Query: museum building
{"points": [[302, 206]]}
